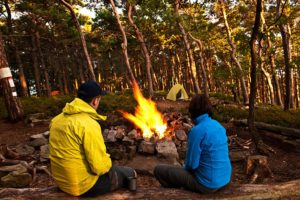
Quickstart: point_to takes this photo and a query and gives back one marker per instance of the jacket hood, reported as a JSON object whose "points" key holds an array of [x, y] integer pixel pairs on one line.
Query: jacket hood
{"points": [[79, 106]]}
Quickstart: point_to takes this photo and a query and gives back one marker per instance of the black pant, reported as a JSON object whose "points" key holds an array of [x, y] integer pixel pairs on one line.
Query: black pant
{"points": [[176, 177], [117, 177]]}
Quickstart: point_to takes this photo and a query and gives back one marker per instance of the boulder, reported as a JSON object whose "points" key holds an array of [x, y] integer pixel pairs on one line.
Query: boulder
{"points": [[180, 135], [111, 137], [147, 147], [167, 149], [133, 134]]}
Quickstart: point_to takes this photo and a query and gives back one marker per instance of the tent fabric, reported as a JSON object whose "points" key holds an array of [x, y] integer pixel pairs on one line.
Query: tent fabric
{"points": [[175, 90]]}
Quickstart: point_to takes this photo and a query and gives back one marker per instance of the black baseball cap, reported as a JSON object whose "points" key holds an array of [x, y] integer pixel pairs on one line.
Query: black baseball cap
{"points": [[90, 89]]}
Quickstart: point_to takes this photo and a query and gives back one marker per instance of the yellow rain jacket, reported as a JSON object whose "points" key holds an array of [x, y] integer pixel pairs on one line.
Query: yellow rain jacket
{"points": [[77, 150]]}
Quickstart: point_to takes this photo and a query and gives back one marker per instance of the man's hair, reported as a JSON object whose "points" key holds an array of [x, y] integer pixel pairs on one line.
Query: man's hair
{"points": [[200, 105]]}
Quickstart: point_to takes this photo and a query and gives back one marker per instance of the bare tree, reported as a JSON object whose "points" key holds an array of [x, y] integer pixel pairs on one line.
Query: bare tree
{"points": [[124, 44], [233, 53], [145, 51], [188, 49], [82, 38]]}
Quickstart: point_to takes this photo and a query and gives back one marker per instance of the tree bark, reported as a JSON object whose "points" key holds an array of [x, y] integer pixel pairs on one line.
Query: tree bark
{"points": [[145, 51], [22, 78], [188, 49], [287, 58], [43, 65], [233, 54], [124, 44], [205, 81], [82, 38], [12, 102], [35, 63], [256, 138]]}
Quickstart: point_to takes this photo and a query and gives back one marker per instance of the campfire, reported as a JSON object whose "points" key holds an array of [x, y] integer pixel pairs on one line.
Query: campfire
{"points": [[147, 117]]}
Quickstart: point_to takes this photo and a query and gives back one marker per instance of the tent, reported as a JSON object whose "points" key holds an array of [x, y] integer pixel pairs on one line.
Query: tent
{"points": [[177, 92]]}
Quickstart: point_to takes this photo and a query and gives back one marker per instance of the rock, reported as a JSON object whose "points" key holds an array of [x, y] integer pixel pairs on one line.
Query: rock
{"points": [[37, 136], [16, 179], [24, 150], [147, 147], [117, 153], [127, 141], [120, 133], [131, 151], [180, 135], [187, 126], [46, 134], [44, 154], [38, 142], [105, 134], [111, 137], [167, 149], [133, 134]]}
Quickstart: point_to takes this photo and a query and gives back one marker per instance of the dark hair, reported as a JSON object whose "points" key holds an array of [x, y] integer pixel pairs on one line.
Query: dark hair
{"points": [[200, 105]]}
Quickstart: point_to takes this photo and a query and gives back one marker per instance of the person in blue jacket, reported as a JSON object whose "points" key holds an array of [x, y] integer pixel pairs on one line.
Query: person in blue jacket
{"points": [[207, 167]]}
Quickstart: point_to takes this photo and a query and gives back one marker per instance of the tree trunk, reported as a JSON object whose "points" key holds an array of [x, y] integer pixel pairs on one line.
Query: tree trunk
{"points": [[22, 78], [12, 102], [82, 38], [43, 65], [124, 44], [233, 54], [287, 57], [256, 138], [145, 51], [274, 74], [205, 81], [188, 49], [35, 63]]}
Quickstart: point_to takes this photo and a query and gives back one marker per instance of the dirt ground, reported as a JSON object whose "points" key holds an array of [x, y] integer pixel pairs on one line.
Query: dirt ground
{"points": [[285, 164]]}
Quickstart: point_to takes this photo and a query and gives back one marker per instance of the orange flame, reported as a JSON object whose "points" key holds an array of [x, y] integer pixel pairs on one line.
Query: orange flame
{"points": [[146, 116]]}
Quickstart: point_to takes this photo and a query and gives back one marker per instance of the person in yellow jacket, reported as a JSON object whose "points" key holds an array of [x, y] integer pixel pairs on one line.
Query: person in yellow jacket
{"points": [[80, 164]]}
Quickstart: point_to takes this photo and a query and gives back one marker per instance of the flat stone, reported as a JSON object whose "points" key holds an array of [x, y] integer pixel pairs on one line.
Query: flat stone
{"points": [[180, 135], [167, 149], [46, 134], [24, 150], [37, 136], [44, 154], [38, 142], [16, 179], [147, 147]]}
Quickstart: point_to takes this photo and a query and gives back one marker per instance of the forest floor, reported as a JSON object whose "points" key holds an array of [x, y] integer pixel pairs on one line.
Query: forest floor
{"points": [[285, 164]]}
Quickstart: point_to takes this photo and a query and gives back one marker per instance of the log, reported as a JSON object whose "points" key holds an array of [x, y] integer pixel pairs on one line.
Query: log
{"points": [[287, 190], [290, 132]]}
